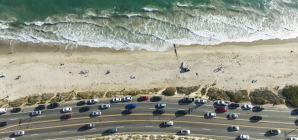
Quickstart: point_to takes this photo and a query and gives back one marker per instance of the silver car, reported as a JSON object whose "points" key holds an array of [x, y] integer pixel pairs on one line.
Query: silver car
{"points": [[244, 137], [105, 106], [35, 113], [201, 101], [127, 98], [234, 128], [185, 132], [161, 105], [210, 114], [19, 133], [95, 113], [116, 100], [233, 116], [169, 123]]}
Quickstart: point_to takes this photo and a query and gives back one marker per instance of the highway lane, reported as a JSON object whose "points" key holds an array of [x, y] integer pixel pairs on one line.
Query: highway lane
{"points": [[152, 126]]}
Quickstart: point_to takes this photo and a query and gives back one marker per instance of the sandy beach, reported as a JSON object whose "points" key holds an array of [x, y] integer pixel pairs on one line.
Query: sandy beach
{"points": [[231, 67]]}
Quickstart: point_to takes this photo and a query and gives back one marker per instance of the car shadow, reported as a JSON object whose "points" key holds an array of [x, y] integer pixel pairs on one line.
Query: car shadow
{"points": [[177, 114], [140, 100], [296, 122], [161, 125], [293, 113], [156, 114], [61, 111], [50, 107], [181, 102], [218, 112], [207, 117], [81, 110], [82, 128], [153, 100], [106, 133], [79, 104], [125, 113], [230, 107], [229, 117], [257, 110], [268, 134], [253, 121], [99, 108], [229, 130], [199, 104], [13, 136]]}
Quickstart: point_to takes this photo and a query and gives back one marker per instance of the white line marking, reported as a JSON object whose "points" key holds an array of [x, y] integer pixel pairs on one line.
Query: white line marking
{"points": [[41, 116], [14, 119], [208, 111], [205, 129], [264, 115], [123, 109], [262, 133], [177, 127], [181, 109], [62, 131], [34, 134], [148, 126], [292, 117], [292, 135], [151, 108], [120, 127]]}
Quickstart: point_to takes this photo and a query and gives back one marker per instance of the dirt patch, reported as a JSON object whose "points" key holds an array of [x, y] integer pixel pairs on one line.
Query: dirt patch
{"points": [[18, 102], [217, 94], [264, 96], [187, 90], [291, 95], [238, 96], [169, 91]]}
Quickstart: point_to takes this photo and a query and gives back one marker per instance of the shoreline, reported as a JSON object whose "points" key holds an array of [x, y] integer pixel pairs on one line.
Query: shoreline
{"points": [[42, 72]]}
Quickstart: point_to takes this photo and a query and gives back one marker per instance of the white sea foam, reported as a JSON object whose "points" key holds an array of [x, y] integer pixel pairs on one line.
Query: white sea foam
{"points": [[148, 9]]}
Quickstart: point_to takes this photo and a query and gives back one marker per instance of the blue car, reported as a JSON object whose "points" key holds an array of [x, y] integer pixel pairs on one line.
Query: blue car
{"points": [[131, 106], [3, 123]]}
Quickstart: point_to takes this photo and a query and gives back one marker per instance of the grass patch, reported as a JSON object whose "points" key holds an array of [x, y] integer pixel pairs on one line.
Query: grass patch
{"points": [[291, 94], [238, 96], [3, 102], [187, 90], [18, 102], [204, 91], [33, 99], [130, 92], [154, 90], [264, 96], [110, 94], [83, 95], [65, 96], [169, 91], [217, 94], [45, 97]]}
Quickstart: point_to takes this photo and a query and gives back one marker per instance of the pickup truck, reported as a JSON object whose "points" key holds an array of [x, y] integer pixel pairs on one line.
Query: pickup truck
{"points": [[187, 99]]}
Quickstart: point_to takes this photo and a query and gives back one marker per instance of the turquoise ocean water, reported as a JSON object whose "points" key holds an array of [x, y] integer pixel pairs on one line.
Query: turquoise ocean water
{"points": [[147, 24]]}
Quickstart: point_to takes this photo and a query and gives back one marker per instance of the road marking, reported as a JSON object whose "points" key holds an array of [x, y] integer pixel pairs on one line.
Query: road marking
{"points": [[177, 127], [205, 129], [292, 135], [292, 117], [181, 109], [40, 116], [264, 115], [151, 108], [34, 134], [123, 109], [14, 119], [148, 126], [262, 133], [120, 127], [62, 131]]}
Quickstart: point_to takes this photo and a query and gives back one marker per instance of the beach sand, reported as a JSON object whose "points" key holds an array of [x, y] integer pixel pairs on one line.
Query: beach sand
{"points": [[231, 66]]}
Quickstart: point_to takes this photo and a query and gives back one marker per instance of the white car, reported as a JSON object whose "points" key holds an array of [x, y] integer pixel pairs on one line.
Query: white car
{"points": [[233, 116], [247, 106], [11, 139], [234, 128], [95, 113], [105, 106], [67, 109], [169, 123], [221, 103], [244, 137], [116, 100], [292, 138], [201, 101], [127, 98], [185, 132], [210, 114], [34, 113], [19, 133], [93, 101], [161, 105]]}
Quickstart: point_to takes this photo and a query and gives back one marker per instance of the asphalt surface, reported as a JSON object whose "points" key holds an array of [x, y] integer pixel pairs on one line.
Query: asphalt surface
{"points": [[48, 125]]}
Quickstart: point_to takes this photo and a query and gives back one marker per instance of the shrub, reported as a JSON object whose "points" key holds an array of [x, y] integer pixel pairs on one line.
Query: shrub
{"points": [[204, 91], [264, 96], [18, 102], [169, 91], [291, 94], [65, 96], [33, 99], [46, 97], [130, 92], [110, 94], [217, 94], [187, 90], [83, 95], [238, 96]]}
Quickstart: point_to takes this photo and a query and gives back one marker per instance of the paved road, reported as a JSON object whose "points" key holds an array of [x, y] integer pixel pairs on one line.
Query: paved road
{"points": [[48, 125]]}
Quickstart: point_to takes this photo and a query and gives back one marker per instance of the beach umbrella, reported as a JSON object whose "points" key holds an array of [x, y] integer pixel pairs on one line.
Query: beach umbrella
{"points": [[3, 75]]}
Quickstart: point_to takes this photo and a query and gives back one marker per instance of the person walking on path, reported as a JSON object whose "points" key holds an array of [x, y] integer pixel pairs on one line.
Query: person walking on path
{"points": [[175, 51]]}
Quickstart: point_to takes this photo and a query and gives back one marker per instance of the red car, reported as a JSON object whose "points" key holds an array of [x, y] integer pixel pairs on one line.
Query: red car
{"points": [[222, 109], [66, 116], [144, 98]]}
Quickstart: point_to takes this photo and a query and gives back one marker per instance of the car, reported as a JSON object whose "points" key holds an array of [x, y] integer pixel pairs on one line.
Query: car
{"points": [[161, 105], [233, 116], [210, 114], [41, 107], [35, 113], [67, 109], [185, 132], [11, 139], [19, 133], [259, 107], [66, 116], [275, 131], [221, 103], [169, 123], [89, 126], [127, 98], [159, 111], [246, 106], [234, 128], [131, 106], [295, 110], [244, 137], [83, 102], [54, 105], [292, 138], [112, 130], [234, 105], [256, 118], [182, 112], [95, 113], [116, 100], [16, 110], [156, 98], [222, 109], [85, 108], [93, 101], [201, 101], [143, 98], [103, 106], [3, 124], [188, 99]]}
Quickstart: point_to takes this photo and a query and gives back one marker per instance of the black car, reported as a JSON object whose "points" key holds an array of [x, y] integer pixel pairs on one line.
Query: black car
{"points": [[16, 109], [256, 118], [159, 111], [85, 108], [83, 102], [128, 111], [3, 123], [41, 107], [112, 130], [55, 105], [296, 110], [182, 112], [234, 105], [259, 107], [156, 98]]}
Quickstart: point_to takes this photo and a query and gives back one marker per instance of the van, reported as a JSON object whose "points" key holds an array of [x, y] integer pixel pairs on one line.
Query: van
{"points": [[3, 110]]}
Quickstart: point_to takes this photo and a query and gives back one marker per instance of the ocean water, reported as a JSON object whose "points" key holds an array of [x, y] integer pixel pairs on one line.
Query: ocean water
{"points": [[153, 25]]}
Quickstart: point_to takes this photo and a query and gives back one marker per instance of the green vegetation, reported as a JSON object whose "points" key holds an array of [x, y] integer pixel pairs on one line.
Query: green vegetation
{"points": [[33, 99], [238, 96], [217, 94], [90, 94], [264, 96], [169, 91], [18, 102], [204, 91], [291, 94], [187, 90], [45, 97]]}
